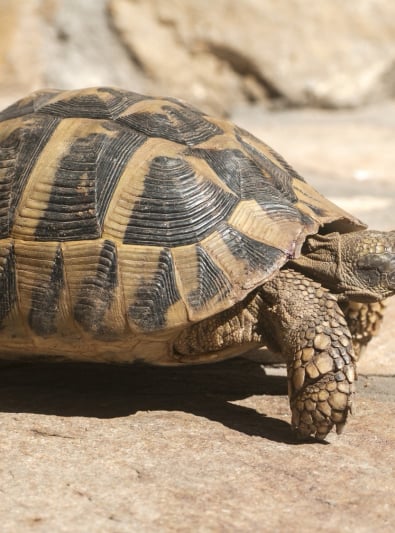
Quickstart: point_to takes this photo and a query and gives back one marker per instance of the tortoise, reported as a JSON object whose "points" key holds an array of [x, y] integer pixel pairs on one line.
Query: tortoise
{"points": [[140, 228]]}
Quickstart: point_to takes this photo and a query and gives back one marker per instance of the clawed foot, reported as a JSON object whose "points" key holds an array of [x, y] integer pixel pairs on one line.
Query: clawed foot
{"points": [[313, 332], [323, 404]]}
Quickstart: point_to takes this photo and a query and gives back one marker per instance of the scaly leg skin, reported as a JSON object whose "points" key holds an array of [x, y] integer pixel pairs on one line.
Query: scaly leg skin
{"points": [[364, 321], [306, 324]]}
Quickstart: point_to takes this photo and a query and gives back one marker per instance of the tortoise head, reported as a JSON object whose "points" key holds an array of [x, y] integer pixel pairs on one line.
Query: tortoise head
{"points": [[368, 265], [359, 266]]}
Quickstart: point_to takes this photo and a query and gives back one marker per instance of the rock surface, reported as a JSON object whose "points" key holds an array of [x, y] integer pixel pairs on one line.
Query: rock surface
{"points": [[209, 448], [215, 54], [113, 450], [330, 53], [54, 43]]}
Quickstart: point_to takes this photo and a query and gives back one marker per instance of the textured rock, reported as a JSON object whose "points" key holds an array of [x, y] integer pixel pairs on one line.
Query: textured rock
{"points": [[330, 53], [20, 45], [106, 449], [83, 50], [215, 54], [177, 45], [54, 43]]}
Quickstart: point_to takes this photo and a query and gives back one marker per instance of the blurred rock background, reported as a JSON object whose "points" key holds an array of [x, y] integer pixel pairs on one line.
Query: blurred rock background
{"points": [[331, 53], [209, 448]]}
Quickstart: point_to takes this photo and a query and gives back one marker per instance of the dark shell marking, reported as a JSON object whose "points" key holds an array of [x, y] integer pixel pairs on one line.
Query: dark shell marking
{"points": [[155, 296], [81, 190], [18, 153], [97, 292], [8, 293], [45, 299], [211, 281], [176, 207], [154, 215]]}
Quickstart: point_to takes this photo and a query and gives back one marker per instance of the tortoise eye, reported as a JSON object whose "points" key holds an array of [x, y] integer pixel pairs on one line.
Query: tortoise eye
{"points": [[384, 262]]}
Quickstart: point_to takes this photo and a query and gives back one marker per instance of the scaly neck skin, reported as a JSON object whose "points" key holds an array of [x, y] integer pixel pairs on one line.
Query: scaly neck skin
{"points": [[358, 266]]}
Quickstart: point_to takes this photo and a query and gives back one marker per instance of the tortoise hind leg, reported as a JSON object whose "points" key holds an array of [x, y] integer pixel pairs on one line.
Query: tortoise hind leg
{"points": [[364, 321], [305, 322]]}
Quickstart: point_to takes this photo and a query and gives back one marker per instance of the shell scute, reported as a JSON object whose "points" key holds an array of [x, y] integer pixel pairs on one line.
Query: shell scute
{"points": [[177, 206], [100, 103], [170, 120]]}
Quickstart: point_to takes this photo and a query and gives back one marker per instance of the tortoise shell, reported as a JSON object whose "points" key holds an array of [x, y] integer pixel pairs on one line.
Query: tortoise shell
{"points": [[124, 218]]}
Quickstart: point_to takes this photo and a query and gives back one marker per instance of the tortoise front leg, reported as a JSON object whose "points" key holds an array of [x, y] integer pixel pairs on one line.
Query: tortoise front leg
{"points": [[305, 322], [364, 321]]}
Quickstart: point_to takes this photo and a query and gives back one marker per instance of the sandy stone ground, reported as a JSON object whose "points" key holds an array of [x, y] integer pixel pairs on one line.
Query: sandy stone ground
{"points": [[94, 448]]}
